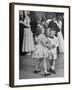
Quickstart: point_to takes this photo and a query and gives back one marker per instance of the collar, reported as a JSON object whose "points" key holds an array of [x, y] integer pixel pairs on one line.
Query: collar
{"points": [[52, 37]]}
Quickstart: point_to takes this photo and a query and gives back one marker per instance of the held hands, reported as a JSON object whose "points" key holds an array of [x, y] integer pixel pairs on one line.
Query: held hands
{"points": [[48, 44], [49, 47], [53, 46]]}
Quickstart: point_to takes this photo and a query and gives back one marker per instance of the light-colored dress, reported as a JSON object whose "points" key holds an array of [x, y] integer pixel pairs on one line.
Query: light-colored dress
{"points": [[28, 41], [40, 50], [53, 51]]}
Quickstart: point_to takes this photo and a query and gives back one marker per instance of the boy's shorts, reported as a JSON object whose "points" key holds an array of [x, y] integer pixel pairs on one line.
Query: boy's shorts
{"points": [[53, 54]]}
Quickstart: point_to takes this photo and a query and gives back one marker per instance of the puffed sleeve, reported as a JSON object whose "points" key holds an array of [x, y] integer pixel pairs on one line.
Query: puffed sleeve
{"points": [[43, 39]]}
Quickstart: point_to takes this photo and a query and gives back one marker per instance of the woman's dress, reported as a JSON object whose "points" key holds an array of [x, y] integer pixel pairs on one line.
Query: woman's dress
{"points": [[60, 37], [28, 41]]}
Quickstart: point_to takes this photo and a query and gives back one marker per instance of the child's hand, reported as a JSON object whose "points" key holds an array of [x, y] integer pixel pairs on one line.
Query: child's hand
{"points": [[53, 46]]}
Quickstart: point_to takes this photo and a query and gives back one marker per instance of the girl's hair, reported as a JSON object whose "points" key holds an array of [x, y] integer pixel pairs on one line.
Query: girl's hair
{"points": [[38, 30], [45, 32]]}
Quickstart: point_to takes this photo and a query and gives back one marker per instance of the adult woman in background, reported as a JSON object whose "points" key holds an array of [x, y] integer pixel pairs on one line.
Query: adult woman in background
{"points": [[59, 34], [21, 30], [28, 42]]}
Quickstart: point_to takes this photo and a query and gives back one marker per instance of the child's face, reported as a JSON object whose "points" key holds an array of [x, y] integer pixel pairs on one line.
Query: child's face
{"points": [[52, 33], [39, 31], [48, 32]]}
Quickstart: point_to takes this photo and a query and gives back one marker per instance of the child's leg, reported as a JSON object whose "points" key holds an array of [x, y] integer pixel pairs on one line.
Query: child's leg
{"points": [[52, 61], [37, 64], [52, 69], [53, 64], [45, 66], [54, 53]]}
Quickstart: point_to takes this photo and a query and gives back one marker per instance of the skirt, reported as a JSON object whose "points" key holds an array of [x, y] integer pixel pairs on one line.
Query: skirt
{"points": [[40, 52], [28, 41]]}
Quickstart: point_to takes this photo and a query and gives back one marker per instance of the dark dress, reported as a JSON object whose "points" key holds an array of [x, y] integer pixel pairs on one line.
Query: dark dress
{"points": [[21, 32], [33, 24]]}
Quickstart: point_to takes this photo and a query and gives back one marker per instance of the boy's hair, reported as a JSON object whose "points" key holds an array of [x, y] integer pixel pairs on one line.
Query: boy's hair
{"points": [[53, 26]]}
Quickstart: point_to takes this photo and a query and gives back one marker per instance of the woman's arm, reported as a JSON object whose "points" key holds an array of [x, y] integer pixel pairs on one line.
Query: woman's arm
{"points": [[27, 21], [22, 23]]}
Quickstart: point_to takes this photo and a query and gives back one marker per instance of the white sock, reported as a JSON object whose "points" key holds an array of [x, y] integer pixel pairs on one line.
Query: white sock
{"points": [[52, 67]]}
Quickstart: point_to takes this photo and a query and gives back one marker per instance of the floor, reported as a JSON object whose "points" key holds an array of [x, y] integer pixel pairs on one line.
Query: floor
{"points": [[27, 65]]}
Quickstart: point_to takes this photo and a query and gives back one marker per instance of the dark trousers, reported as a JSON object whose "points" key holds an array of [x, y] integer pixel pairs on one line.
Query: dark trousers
{"points": [[21, 33]]}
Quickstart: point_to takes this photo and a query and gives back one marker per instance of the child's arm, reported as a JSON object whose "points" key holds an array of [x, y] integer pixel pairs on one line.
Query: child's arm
{"points": [[56, 43], [46, 45], [36, 39]]}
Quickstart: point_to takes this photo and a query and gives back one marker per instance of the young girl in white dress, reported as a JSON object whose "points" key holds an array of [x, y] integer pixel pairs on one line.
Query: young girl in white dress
{"points": [[28, 42], [41, 51]]}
